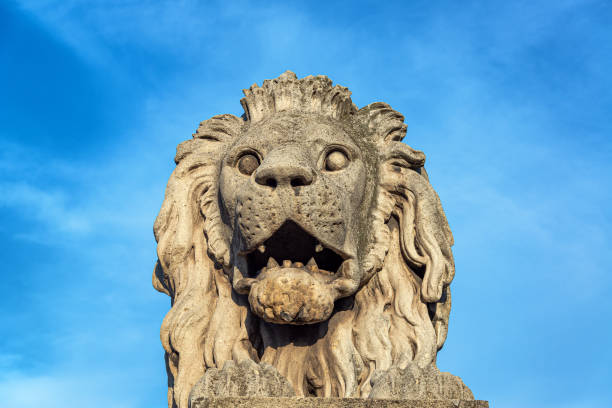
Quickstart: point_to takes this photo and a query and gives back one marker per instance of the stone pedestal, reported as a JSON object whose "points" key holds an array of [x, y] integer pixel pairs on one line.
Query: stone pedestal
{"points": [[273, 402]]}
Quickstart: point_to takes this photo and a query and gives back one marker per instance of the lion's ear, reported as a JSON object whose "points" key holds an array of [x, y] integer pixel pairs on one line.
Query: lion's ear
{"points": [[426, 238]]}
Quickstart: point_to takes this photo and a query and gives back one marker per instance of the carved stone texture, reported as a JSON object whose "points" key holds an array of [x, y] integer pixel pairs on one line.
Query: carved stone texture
{"points": [[259, 402], [415, 383], [246, 378], [304, 236]]}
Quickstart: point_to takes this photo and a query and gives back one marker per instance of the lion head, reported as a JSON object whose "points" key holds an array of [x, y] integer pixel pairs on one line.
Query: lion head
{"points": [[306, 235]]}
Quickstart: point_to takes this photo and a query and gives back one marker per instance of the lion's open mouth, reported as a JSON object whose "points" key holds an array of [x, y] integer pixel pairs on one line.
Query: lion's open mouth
{"points": [[291, 246]]}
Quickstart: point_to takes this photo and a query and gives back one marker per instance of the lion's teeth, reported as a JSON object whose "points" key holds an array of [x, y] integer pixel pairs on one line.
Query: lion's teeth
{"points": [[312, 265], [272, 263], [298, 264], [286, 263], [261, 248], [319, 247]]}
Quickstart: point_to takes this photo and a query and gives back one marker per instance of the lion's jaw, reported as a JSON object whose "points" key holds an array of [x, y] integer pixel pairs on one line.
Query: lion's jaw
{"points": [[293, 219]]}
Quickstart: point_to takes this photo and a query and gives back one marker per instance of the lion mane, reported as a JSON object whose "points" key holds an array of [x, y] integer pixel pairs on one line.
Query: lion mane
{"points": [[398, 317]]}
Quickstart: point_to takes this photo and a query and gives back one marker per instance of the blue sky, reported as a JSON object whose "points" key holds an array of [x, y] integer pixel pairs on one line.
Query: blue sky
{"points": [[511, 102]]}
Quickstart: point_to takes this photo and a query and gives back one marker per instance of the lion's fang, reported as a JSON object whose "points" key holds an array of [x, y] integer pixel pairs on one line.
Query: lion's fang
{"points": [[272, 263], [261, 248], [312, 265]]}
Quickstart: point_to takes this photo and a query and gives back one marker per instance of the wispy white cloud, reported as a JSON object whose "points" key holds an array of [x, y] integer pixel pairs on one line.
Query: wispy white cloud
{"points": [[48, 207], [92, 28], [62, 202], [42, 191]]}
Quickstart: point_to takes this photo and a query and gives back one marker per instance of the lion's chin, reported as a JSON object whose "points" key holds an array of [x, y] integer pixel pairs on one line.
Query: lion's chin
{"points": [[291, 295]]}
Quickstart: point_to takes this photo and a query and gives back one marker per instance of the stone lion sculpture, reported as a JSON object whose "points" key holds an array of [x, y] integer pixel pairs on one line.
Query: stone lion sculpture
{"points": [[304, 249]]}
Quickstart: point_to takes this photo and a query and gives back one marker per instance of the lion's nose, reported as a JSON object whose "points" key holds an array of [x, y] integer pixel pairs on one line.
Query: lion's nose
{"points": [[283, 174]]}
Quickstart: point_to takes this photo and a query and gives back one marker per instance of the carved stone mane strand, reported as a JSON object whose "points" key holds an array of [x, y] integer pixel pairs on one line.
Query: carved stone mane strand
{"points": [[288, 94], [397, 317]]}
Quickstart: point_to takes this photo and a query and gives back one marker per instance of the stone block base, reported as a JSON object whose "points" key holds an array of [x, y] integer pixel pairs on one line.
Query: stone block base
{"points": [[272, 402]]}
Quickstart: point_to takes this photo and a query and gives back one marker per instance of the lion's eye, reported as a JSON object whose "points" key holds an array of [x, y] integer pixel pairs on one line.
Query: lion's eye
{"points": [[336, 160], [247, 164]]}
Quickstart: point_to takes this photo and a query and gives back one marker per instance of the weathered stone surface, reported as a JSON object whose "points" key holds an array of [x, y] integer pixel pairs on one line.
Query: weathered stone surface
{"points": [[304, 235], [414, 383], [246, 378], [330, 403]]}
